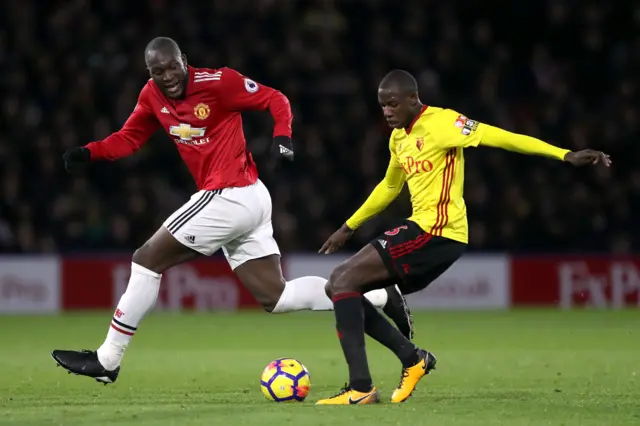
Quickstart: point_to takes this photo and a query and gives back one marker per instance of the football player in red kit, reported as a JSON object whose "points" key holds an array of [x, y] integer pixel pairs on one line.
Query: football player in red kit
{"points": [[200, 109]]}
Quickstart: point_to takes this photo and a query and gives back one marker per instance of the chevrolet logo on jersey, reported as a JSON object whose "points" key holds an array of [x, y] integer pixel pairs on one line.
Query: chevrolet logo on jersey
{"points": [[185, 132]]}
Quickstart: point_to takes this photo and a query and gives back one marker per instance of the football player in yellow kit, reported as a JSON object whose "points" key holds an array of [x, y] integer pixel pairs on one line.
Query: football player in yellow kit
{"points": [[426, 152]]}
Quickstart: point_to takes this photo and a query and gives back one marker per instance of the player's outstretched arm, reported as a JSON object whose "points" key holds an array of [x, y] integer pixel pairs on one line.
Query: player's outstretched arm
{"points": [[138, 128], [499, 138], [382, 195], [135, 132]]}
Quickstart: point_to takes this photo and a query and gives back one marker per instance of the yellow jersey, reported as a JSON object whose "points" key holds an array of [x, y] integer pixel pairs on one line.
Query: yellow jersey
{"points": [[428, 156]]}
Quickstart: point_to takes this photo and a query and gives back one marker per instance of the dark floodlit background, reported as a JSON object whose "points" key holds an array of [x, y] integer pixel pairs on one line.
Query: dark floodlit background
{"points": [[563, 71], [541, 232]]}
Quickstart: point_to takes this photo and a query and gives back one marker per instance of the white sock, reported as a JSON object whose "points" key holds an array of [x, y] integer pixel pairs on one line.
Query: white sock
{"points": [[307, 293], [378, 298], [135, 303]]}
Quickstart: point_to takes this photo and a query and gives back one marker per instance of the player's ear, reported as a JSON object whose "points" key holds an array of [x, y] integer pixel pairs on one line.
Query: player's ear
{"points": [[184, 59]]}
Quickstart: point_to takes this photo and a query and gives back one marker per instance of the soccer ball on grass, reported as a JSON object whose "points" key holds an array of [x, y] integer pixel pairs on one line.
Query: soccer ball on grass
{"points": [[285, 379]]}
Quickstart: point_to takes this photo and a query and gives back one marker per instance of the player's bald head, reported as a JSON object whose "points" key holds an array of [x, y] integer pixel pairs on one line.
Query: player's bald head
{"points": [[398, 97], [167, 66], [400, 81], [164, 46]]}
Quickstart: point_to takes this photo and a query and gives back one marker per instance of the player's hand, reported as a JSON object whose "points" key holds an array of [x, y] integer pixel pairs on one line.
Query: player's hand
{"points": [[283, 146], [587, 157], [337, 240], [76, 159]]}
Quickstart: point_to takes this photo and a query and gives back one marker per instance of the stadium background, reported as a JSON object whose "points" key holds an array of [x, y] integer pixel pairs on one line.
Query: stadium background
{"points": [[563, 71], [542, 233], [73, 69]]}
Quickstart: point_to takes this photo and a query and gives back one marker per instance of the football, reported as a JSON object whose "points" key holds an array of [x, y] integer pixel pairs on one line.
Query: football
{"points": [[285, 379]]}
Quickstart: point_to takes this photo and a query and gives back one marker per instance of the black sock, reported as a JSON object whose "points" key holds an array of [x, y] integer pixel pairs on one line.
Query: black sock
{"points": [[349, 314], [380, 329]]}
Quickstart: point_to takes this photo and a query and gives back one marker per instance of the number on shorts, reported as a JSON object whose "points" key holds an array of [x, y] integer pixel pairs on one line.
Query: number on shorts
{"points": [[396, 231]]}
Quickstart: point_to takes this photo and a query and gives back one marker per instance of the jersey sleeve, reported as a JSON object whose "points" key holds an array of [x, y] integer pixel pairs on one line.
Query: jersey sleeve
{"points": [[135, 132], [240, 93], [496, 137], [454, 130], [383, 194]]}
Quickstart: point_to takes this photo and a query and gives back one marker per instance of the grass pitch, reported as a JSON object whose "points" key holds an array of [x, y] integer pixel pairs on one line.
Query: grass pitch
{"points": [[507, 368]]}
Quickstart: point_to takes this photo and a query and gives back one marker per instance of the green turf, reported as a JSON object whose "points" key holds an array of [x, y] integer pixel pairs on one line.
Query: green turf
{"points": [[510, 368]]}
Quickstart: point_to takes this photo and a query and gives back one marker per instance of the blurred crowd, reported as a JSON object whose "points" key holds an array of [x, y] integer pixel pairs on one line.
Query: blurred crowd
{"points": [[564, 71]]}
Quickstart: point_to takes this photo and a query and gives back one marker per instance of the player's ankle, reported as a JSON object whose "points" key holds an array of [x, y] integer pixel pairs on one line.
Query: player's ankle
{"points": [[363, 386], [411, 359], [109, 357]]}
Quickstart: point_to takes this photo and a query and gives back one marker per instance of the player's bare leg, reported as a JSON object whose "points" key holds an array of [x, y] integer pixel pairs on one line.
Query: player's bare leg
{"points": [[158, 254], [355, 316], [264, 279]]}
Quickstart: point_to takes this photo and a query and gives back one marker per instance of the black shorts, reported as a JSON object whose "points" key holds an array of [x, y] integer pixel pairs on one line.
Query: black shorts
{"points": [[414, 257]]}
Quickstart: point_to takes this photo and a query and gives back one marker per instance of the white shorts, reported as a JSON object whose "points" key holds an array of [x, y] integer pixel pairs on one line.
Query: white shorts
{"points": [[238, 220]]}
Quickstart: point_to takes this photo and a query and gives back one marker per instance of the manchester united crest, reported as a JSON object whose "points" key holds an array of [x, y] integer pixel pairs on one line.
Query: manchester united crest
{"points": [[419, 143], [202, 111]]}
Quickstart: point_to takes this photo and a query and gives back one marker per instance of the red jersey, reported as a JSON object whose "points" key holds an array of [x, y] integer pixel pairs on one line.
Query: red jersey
{"points": [[206, 125]]}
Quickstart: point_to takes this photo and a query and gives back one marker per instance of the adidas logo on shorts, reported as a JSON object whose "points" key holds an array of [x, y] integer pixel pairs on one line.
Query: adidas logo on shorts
{"points": [[190, 238]]}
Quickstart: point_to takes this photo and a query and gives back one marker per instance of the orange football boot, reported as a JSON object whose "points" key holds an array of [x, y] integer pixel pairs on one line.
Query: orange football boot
{"points": [[412, 375], [348, 396]]}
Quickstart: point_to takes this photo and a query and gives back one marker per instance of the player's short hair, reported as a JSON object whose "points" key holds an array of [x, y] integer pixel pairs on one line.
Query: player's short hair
{"points": [[400, 79], [164, 44]]}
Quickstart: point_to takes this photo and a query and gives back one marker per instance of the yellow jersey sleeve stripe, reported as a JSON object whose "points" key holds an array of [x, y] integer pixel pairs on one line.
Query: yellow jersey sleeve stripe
{"points": [[448, 174]]}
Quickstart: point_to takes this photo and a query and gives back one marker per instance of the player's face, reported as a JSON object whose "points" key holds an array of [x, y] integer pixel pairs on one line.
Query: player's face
{"points": [[169, 72], [397, 107]]}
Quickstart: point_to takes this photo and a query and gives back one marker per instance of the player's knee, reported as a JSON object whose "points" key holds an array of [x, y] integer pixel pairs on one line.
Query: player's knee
{"points": [[142, 256], [339, 281], [327, 290], [147, 257]]}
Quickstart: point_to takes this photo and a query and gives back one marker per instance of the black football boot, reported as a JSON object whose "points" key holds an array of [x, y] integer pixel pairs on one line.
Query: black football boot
{"points": [[84, 363], [397, 309]]}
